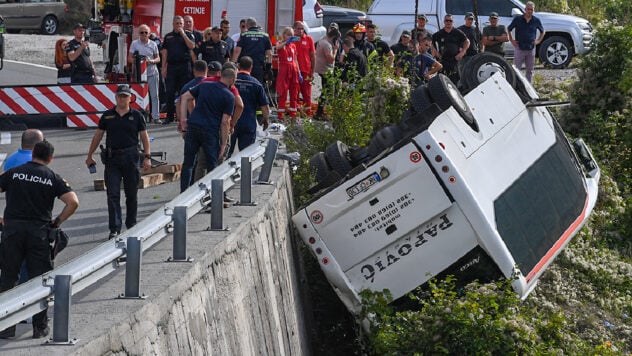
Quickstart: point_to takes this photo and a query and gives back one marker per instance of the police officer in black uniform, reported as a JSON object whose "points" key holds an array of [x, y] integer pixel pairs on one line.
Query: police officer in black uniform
{"points": [[31, 191], [215, 50], [255, 44], [123, 125], [176, 69]]}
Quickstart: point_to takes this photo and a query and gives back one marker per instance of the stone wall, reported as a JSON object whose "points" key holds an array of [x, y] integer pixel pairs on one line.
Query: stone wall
{"points": [[240, 298]]}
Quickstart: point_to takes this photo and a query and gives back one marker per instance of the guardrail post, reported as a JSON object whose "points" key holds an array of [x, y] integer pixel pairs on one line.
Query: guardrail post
{"points": [[217, 206], [245, 193], [179, 235], [132, 269], [61, 321], [268, 160]]}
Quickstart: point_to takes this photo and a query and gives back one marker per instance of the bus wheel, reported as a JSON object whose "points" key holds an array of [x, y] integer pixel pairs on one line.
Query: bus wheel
{"points": [[446, 94]]}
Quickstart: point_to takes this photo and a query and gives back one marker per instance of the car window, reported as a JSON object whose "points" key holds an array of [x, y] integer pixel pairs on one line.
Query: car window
{"points": [[459, 7]]}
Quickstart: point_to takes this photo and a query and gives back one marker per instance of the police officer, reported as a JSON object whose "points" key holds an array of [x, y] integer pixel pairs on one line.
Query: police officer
{"points": [[255, 44], [215, 49], [31, 191], [123, 125], [254, 97], [176, 69]]}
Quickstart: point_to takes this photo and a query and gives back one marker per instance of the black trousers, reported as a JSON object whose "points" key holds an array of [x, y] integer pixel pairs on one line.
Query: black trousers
{"points": [[122, 166], [177, 76], [25, 240]]}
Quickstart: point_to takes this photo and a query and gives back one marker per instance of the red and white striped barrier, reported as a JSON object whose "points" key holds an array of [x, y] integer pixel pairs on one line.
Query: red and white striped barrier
{"points": [[82, 104]]}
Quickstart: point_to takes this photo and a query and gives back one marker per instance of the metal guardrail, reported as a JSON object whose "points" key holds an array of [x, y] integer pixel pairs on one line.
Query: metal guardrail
{"points": [[33, 296]]}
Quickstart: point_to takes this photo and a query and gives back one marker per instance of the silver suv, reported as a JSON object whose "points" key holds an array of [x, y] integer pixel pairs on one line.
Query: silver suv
{"points": [[313, 18], [41, 15]]}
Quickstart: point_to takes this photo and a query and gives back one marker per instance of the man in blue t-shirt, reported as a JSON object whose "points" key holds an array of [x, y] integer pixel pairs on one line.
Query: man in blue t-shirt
{"points": [[254, 97], [525, 40], [421, 67], [29, 138], [208, 124]]}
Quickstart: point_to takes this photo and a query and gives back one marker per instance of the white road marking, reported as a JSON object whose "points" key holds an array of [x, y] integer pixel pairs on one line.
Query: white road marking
{"points": [[5, 138], [3, 156]]}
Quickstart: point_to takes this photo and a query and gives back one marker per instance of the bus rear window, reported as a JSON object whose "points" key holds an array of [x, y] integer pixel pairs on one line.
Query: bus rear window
{"points": [[536, 210]]}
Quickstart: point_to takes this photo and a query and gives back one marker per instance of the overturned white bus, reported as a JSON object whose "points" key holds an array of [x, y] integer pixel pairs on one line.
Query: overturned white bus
{"points": [[479, 186]]}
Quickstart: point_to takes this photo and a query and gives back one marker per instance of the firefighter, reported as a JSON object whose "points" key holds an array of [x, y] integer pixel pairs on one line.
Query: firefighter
{"points": [[255, 44], [360, 42], [306, 54]]}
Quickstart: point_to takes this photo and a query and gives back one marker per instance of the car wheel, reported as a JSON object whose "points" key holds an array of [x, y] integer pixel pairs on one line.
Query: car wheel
{"points": [[49, 25], [446, 94], [384, 138], [556, 52], [337, 154], [420, 98], [319, 165], [483, 66]]}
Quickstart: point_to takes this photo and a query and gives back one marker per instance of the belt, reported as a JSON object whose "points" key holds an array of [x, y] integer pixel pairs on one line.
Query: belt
{"points": [[121, 150]]}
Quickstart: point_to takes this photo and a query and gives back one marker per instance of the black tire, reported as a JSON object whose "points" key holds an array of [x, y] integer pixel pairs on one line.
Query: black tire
{"points": [[319, 165], [358, 155], [337, 154], [384, 138], [446, 94], [50, 25], [420, 98], [484, 65], [556, 52]]}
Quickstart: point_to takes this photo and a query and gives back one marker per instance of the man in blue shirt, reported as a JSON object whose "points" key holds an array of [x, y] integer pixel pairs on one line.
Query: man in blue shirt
{"points": [[525, 40], [421, 67], [254, 97], [29, 138], [208, 124]]}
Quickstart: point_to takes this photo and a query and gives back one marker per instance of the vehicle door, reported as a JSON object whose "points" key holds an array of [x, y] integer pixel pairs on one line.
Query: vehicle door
{"points": [[12, 11]]}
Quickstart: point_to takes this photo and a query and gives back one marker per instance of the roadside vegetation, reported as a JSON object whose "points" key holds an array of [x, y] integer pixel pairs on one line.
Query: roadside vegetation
{"points": [[583, 303]]}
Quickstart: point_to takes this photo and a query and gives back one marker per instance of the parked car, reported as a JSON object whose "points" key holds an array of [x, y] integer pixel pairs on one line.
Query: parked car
{"points": [[41, 15], [566, 36], [344, 17], [313, 18]]}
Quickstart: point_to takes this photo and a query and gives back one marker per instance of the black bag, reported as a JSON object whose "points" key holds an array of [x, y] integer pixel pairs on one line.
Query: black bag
{"points": [[59, 240]]}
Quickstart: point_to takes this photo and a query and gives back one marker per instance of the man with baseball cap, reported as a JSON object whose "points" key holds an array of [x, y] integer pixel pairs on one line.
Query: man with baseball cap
{"points": [[420, 28], [79, 56], [215, 49], [494, 35], [124, 127]]}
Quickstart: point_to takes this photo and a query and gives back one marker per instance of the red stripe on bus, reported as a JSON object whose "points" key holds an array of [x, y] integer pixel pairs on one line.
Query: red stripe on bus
{"points": [[558, 245]]}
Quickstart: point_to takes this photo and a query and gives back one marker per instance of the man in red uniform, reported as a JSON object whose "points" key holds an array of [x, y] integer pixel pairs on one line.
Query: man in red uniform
{"points": [[306, 54]]}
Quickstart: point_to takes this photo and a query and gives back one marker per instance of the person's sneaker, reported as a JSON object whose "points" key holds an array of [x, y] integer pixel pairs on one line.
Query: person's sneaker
{"points": [[113, 234], [228, 199], [40, 333], [8, 332]]}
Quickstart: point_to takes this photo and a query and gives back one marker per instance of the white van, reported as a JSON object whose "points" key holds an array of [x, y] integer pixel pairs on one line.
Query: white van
{"points": [[566, 36], [480, 187]]}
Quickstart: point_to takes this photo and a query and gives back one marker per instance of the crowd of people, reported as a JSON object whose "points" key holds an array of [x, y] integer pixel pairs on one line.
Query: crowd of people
{"points": [[215, 91]]}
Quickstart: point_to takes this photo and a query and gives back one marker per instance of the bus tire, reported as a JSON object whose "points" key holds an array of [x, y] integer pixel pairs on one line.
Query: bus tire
{"points": [[446, 94], [319, 165], [337, 154]]}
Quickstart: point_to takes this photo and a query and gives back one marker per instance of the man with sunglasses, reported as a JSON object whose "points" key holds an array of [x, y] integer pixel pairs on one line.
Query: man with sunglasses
{"points": [[148, 49], [450, 45]]}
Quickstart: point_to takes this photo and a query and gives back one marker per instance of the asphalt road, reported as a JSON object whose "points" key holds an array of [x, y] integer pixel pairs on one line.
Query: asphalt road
{"points": [[88, 227]]}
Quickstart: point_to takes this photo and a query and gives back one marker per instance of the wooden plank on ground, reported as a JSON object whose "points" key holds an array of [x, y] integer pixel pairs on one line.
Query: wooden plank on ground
{"points": [[150, 180], [165, 168]]}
